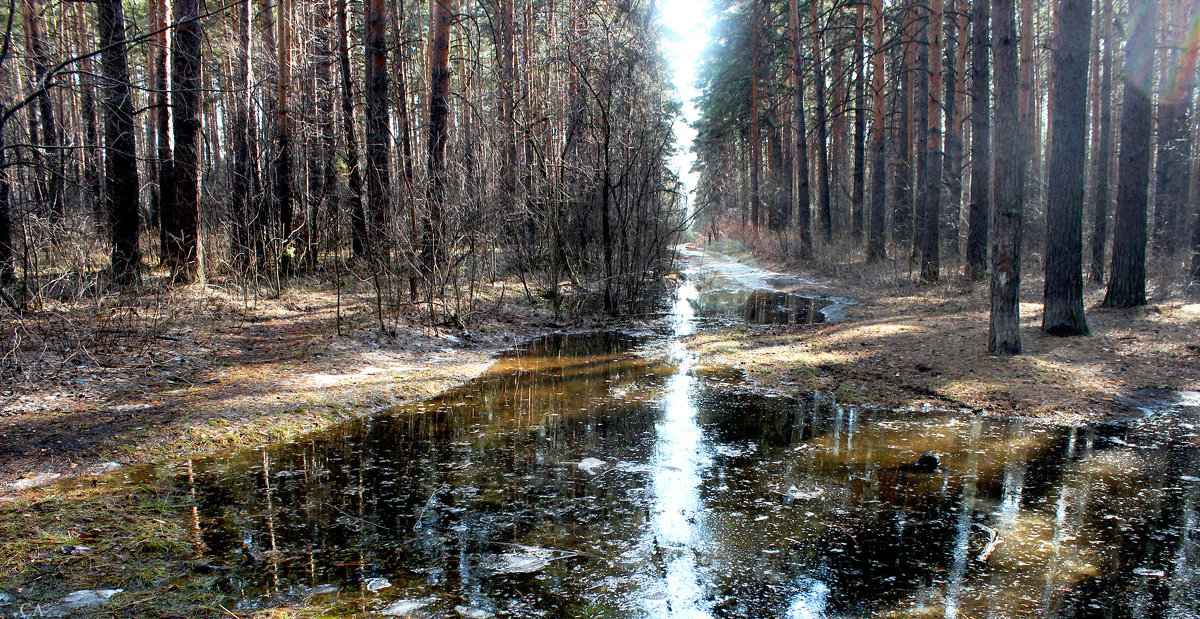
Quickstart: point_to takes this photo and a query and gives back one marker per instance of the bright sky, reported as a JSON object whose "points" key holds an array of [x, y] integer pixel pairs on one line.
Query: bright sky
{"points": [[687, 24]]}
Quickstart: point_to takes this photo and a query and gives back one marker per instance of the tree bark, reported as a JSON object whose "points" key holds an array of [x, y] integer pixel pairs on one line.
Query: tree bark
{"points": [[120, 148], [1004, 334], [800, 141], [243, 136], [7, 274], [284, 195], [902, 216], [755, 111], [184, 252], [1101, 195], [860, 126], [51, 187], [441, 13], [955, 104], [379, 178], [921, 117], [1062, 307], [931, 247], [981, 155], [876, 238], [165, 187], [358, 219], [824, 208], [1127, 282]]}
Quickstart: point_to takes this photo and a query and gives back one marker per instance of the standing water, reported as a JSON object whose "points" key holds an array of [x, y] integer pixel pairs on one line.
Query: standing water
{"points": [[597, 475]]}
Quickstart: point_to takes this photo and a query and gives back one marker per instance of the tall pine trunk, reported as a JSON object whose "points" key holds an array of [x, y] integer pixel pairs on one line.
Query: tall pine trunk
{"points": [[824, 208], [981, 147], [120, 148], [755, 129], [358, 219], [51, 182], [7, 274], [243, 136], [876, 238], [1102, 170], [441, 13], [164, 190], [284, 194], [860, 125], [1127, 282], [1004, 327], [184, 252], [931, 246], [1062, 312], [378, 121], [800, 141]]}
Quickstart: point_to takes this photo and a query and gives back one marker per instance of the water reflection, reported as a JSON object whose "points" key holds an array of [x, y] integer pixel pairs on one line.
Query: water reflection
{"points": [[596, 476]]}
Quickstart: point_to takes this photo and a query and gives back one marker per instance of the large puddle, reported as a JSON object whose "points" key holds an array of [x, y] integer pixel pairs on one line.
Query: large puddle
{"points": [[596, 476]]}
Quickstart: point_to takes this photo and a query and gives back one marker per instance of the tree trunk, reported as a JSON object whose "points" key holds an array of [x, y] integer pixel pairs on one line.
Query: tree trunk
{"points": [[51, 187], [955, 102], [165, 188], [1062, 312], [902, 216], [981, 181], [379, 177], [931, 246], [441, 13], [922, 108], [1127, 282], [800, 142], [755, 129], [876, 238], [284, 196], [860, 125], [7, 274], [824, 209], [1004, 334], [506, 57], [358, 219], [1028, 102], [183, 252], [120, 152], [243, 136], [1102, 172]]}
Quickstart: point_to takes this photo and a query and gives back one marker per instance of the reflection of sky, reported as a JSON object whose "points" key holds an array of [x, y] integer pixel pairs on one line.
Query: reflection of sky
{"points": [[685, 24], [677, 527]]}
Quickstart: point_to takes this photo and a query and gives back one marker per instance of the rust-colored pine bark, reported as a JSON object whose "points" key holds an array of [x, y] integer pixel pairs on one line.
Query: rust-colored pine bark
{"points": [[358, 219]]}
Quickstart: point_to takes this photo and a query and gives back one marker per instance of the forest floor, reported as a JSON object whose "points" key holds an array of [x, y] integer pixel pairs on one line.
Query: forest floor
{"points": [[909, 344], [86, 386]]}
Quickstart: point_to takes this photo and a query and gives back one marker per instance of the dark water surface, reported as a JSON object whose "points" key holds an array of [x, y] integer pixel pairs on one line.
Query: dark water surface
{"points": [[597, 476]]}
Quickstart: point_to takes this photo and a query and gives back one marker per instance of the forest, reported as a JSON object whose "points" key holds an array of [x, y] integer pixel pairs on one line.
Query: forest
{"points": [[953, 134], [599, 309]]}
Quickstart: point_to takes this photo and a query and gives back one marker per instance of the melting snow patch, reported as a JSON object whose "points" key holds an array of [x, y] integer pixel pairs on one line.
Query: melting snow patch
{"points": [[403, 608], [89, 597]]}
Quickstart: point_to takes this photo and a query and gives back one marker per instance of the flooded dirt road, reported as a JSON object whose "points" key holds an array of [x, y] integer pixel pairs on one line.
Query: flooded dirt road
{"points": [[596, 475]]}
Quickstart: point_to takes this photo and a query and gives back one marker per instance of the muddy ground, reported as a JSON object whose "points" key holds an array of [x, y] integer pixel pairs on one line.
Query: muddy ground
{"points": [[909, 344], [90, 385]]}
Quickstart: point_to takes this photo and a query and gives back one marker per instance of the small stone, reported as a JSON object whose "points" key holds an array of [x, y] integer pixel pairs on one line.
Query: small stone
{"points": [[927, 463]]}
